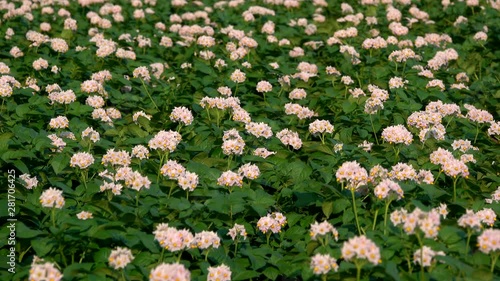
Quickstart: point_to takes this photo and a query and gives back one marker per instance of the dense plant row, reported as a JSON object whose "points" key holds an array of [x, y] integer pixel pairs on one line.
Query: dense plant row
{"points": [[251, 140]]}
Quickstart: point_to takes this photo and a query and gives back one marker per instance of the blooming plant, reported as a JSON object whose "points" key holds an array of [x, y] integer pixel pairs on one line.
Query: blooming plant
{"points": [[250, 140]]}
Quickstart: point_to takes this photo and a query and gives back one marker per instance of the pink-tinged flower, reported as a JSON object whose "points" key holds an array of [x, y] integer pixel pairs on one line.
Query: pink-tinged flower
{"points": [[41, 271], [480, 36], [82, 160], [225, 91], [112, 157], [428, 222], [237, 230], [360, 247], [238, 76], [470, 220], [425, 255], [92, 134], [402, 171], [495, 196], [322, 264], [397, 82], [494, 129], [249, 171], [463, 145], [487, 216], [28, 181], [167, 271], [291, 138], [188, 181], [259, 129], [330, 70], [387, 187], [182, 114], [233, 143], [142, 72], [120, 257], [205, 239], [425, 176], [301, 112], [138, 114], [52, 198], [59, 45], [321, 229], [230, 179], [140, 151], [264, 87], [219, 273], [40, 64], [397, 134], [84, 215], [489, 240], [206, 41], [321, 126], [60, 122], [165, 140], [262, 152], [478, 115], [172, 169], [272, 222], [172, 239], [297, 94], [454, 167], [57, 142], [353, 174]]}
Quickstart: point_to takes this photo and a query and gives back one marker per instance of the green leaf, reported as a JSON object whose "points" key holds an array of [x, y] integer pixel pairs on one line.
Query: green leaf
{"points": [[179, 204], [59, 163], [271, 273], [340, 205], [77, 270], [43, 246], [392, 270], [327, 208], [25, 232], [23, 109], [349, 107], [245, 275]]}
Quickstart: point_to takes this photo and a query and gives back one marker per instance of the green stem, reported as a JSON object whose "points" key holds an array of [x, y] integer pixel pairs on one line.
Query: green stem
{"points": [[149, 95], [477, 133], [123, 274], [84, 178], [373, 128], [235, 247], [162, 159], [268, 235], [53, 216], [172, 185], [469, 234], [494, 261], [355, 210], [385, 215], [161, 255], [396, 153], [358, 270], [375, 220], [455, 189]]}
